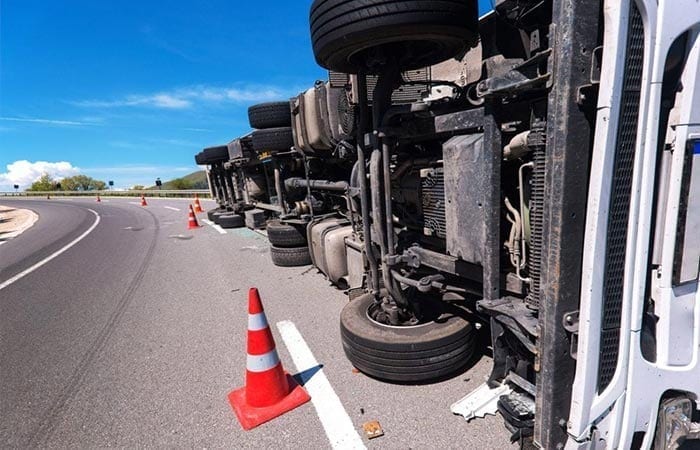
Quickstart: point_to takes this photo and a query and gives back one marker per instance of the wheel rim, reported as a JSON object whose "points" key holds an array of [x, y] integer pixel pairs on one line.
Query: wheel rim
{"points": [[428, 318]]}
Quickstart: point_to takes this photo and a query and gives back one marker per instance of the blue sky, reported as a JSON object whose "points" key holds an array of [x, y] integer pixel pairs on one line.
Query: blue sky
{"points": [[130, 91]]}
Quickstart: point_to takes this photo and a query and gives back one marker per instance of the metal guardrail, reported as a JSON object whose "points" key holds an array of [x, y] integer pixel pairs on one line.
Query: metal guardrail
{"points": [[203, 193]]}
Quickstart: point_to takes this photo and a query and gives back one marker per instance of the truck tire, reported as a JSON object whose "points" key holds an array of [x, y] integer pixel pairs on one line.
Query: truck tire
{"points": [[273, 139], [217, 215], [418, 33], [270, 115], [231, 220], [285, 235], [419, 353], [212, 212], [290, 257], [215, 154]]}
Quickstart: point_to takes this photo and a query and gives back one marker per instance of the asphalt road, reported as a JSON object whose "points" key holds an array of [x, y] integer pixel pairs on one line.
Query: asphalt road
{"points": [[134, 336]]}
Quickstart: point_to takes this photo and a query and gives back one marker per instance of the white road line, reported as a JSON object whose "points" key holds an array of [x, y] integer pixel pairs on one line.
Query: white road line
{"points": [[335, 420], [31, 269], [136, 203], [170, 207], [214, 226]]}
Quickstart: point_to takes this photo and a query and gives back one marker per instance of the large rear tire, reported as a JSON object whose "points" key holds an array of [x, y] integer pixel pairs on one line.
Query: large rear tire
{"points": [[273, 139], [290, 257], [270, 115], [213, 212], [419, 353], [216, 216], [285, 235], [346, 34], [231, 220], [213, 155]]}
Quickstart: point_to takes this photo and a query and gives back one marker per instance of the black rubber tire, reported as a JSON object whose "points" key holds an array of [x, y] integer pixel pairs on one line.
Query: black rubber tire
{"points": [[270, 115], [273, 139], [421, 353], [217, 215], [215, 154], [231, 220], [290, 256], [285, 235], [212, 212], [418, 33]]}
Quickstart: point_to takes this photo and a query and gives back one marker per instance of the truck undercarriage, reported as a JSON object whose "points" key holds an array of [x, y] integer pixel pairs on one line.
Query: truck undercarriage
{"points": [[460, 176]]}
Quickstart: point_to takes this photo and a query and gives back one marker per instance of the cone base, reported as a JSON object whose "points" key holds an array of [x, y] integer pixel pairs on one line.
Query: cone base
{"points": [[250, 416]]}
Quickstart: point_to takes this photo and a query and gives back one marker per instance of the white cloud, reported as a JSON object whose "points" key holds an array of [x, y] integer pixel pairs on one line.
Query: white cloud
{"points": [[25, 172], [45, 121], [195, 95], [198, 130], [165, 101]]}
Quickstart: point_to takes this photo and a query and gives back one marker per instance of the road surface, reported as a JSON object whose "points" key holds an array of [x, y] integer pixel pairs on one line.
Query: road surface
{"points": [[135, 333]]}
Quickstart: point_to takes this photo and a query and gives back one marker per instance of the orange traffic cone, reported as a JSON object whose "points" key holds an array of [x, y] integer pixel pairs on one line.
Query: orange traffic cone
{"points": [[192, 220], [143, 201], [197, 205], [98, 198], [48, 196], [269, 391]]}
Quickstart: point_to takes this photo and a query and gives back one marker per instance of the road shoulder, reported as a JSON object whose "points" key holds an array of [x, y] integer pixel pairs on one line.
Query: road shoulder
{"points": [[15, 221]]}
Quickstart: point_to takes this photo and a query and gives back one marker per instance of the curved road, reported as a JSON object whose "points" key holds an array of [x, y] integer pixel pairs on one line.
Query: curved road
{"points": [[133, 337], [56, 319]]}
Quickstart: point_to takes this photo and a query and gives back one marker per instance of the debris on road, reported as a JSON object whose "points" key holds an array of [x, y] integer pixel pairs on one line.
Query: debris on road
{"points": [[372, 429], [182, 237]]}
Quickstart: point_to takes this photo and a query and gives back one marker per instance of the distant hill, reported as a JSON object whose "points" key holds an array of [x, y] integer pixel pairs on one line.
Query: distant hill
{"points": [[195, 180]]}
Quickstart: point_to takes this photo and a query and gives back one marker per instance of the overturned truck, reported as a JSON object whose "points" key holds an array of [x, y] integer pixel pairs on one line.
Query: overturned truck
{"points": [[535, 174], [527, 182]]}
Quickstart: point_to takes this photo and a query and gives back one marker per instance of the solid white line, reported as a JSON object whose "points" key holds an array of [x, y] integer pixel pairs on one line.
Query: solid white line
{"points": [[214, 226], [335, 420], [136, 203], [170, 207], [54, 255]]}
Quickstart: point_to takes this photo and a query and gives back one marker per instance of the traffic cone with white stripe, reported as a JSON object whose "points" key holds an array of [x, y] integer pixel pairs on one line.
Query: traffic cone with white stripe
{"points": [[269, 391], [192, 220], [197, 205], [143, 200]]}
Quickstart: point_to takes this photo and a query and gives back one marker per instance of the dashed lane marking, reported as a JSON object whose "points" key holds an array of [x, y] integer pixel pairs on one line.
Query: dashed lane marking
{"points": [[31, 269], [214, 226], [335, 420], [171, 208]]}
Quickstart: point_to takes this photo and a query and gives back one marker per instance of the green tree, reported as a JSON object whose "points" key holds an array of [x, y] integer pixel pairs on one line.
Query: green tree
{"points": [[181, 183], [82, 183], [43, 184]]}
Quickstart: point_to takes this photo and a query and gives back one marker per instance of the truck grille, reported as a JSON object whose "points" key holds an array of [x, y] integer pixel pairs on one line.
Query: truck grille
{"points": [[618, 216], [537, 142], [404, 94], [432, 183]]}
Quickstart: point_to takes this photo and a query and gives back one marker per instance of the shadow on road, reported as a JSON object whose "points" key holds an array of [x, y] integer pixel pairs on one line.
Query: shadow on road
{"points": [[303, 377]]}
